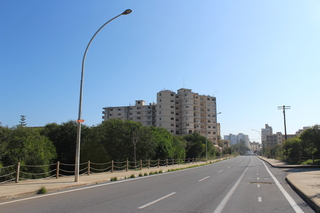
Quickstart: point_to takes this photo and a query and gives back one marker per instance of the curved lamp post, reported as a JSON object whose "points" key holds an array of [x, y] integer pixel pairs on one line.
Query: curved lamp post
{"points": [[79, 121]]}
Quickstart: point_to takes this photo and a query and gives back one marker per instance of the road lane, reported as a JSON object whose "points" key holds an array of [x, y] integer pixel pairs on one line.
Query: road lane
{"points": [[180, 191]]}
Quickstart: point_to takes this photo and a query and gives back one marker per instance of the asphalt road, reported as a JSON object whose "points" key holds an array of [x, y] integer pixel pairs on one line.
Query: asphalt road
{"points": [[242, 184]]}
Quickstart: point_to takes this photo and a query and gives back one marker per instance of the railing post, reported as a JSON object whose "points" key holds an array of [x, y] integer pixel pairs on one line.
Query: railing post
{"points": [[149, 164], [140, 164], [167, 162], [88, 167], [112, 166], [17, 172], [127, 166], [57, 169], [172, 161], [158, 163]]}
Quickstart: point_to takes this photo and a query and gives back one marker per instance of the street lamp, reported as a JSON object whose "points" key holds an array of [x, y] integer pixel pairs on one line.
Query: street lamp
{"points": [[79, 121]]}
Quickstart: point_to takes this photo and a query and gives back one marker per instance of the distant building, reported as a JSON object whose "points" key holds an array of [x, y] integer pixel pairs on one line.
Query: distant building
{"points": [[265, 132], [244, 138], [232, 138], [142, 113], [181, 113], [254, 147], [301, 130]]}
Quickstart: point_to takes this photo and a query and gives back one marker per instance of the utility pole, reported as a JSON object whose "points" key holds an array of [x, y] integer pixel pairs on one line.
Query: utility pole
{"points": [[284, 118]]}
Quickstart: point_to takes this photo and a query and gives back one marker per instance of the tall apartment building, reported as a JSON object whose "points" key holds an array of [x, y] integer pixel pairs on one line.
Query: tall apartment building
{"points": [[181, 113], [232, 138], [142, 113], [265, 132]]}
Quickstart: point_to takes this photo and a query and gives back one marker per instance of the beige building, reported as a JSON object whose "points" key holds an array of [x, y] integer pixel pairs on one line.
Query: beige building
{"points": [[255, 147], [142, 113], [180, 113]]}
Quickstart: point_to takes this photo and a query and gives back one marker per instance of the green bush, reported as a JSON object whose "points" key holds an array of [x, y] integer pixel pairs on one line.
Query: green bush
{"points": [[114, 179], [42, 190], [132, 176], [140, 175], [160, 171], [145, 174]]}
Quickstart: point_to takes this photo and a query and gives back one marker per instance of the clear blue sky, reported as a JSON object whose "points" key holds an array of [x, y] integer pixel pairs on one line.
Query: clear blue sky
{"points": [[252, 55]]}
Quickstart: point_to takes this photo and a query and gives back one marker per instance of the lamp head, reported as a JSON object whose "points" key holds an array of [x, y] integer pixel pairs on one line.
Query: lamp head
{"points": [[126, 12]]}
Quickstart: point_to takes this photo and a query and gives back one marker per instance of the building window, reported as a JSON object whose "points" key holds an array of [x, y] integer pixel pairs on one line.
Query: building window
{"points": [[110, 114], [190, 131], [177, 132], [119, 109], [138, 107], [177, 113], [171, 100], [177, 119], [172, 106], [119, 114], [177, 126], [172, 124], [138, 113], [172, 94], [172, 112], [111, 109], [138, 102], [172, 119]]}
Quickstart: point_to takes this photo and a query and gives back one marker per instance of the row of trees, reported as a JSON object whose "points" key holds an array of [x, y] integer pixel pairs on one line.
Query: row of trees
{"points": [[111, 140], [300, 148]]}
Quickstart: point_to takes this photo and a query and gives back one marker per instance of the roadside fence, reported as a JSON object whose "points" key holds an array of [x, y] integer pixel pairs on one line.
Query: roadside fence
{"points": [[22, 172]]}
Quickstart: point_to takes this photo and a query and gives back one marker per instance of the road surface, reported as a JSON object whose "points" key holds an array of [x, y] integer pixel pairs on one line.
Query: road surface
{"points": [[242, 184]]}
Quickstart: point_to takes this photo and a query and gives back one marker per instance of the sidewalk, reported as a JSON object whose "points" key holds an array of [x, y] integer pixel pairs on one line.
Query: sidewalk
{"points": [[306, 184], [12, 190]]}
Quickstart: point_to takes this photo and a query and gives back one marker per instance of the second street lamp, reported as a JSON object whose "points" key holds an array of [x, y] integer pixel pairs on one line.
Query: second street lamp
{"points": [[80, 120]]}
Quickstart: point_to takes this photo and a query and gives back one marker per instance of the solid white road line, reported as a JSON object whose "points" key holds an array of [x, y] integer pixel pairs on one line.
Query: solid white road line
{"points": [[293, 204], [227, 197], [204, 178], [220, 171], [259, 199], [155, 201], [229, 167]]}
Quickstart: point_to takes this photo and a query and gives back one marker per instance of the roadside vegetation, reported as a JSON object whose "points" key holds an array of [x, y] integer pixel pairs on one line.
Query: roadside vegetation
{"points": [[110, 140], [303, 149]]}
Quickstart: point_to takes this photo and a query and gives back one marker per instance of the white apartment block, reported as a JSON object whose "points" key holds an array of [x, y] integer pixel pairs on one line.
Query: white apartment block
{"points": [[180, 113], [232, 138]]}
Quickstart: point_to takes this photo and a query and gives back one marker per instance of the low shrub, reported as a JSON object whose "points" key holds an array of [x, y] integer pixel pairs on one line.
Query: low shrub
{"points": [[42, 190]]}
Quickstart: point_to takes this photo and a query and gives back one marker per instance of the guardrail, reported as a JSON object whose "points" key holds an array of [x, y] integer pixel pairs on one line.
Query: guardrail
{"points": [[21, 172]]}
